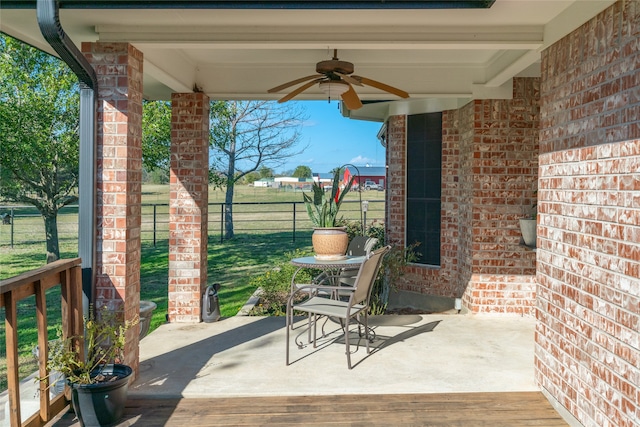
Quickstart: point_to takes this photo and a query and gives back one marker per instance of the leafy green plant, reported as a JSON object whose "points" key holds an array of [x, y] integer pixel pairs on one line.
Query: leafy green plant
{"points": [[392, 264], [532, 211], [276, 285], [391, 270], [323, 210], [104, 338]]}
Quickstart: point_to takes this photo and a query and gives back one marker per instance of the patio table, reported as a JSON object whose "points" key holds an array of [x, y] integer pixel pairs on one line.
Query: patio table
{"points": [[331, 268]]}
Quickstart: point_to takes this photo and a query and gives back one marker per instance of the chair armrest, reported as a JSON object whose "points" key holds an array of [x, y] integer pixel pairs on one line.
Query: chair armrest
{"points": [[311, 289]]}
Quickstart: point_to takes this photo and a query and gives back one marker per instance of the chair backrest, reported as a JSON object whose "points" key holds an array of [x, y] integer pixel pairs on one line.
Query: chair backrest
{"points": [[361, 245], [367, 275]]}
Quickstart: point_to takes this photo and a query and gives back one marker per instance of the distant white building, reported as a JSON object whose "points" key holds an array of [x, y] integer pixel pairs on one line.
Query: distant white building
{"points": [[264, 182]]}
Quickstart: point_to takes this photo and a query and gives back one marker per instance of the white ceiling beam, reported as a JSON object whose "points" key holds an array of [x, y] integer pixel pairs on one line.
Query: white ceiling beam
{"points": [[571, 18], [340, 43], [512, 68], [175, 72], [494, 92], [339, 37]]}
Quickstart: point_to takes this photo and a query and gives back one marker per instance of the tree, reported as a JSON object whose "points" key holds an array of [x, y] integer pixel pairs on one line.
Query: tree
{"points": [[250, 178], [266, 172], [302, 172], [156, 138], [39, 118], [247, 135]]}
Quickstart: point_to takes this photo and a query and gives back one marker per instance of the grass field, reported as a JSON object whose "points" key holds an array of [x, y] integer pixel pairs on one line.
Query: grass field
{"points": [[284, 213], [231, 263]]}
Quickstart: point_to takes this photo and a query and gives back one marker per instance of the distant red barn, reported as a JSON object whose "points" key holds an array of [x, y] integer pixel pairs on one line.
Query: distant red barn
{"points": [[375, 174]]}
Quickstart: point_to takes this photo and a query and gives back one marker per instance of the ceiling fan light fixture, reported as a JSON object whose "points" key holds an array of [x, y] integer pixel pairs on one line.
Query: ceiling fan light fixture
{"points": [[334, 89]]}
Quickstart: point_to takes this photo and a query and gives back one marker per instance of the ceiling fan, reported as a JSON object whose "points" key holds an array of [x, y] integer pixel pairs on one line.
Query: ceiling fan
{"points": [[335, 78]]}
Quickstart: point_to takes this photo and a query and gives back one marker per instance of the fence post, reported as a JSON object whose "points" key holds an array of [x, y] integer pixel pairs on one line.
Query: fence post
{"points": [[13, 219], [221, 222], [154, 225], [294, 222]]}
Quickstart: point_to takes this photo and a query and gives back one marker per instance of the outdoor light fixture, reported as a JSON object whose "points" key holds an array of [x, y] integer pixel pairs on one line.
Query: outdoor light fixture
{"points": [[334, 88]]}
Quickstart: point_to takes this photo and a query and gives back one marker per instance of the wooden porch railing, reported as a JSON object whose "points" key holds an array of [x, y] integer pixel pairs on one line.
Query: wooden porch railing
{"points": [[67, 275]]}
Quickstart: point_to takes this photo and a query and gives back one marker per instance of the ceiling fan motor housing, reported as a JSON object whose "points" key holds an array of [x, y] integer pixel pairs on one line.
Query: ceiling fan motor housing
{"points": [[334, 66]]}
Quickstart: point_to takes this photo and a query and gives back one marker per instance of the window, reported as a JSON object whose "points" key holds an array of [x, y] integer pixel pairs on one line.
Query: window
{"points": [[424, 169]]}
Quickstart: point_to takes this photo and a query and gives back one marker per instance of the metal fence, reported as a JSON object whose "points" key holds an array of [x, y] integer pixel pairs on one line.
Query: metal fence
{"points": [[23, 225]]}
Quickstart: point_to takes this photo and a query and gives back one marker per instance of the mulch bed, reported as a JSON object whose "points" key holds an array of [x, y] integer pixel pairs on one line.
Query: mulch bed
{"points": [[407, 310]]}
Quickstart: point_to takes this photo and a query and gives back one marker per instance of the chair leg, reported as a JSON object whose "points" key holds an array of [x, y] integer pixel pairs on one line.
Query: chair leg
{"points": [[366, 330], [346, 343], [315, 329], [288, 325]]}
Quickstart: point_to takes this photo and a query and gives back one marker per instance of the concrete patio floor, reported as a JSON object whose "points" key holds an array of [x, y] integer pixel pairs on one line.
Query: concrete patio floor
{"points": [[245, 356]]}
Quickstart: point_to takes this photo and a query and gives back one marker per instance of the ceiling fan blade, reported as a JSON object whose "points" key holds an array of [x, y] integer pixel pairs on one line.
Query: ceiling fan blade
{"points": [[292, 83], [351, 99], [299, 90], [382, 86], [349, 79]]}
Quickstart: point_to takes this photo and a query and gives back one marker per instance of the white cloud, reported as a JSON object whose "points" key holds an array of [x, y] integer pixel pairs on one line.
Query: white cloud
{"points": [[361, 160]]}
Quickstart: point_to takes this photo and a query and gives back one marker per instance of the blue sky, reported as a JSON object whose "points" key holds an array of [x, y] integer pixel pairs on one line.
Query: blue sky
{"points": [[334, 140]]}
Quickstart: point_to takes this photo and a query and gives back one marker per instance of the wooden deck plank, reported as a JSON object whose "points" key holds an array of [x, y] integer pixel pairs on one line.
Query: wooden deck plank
{"points": [[438, 410]]}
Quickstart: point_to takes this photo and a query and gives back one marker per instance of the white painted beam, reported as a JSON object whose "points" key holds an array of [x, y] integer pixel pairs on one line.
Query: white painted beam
{"points": [[181, 84], [398, 37], [513, 67]]}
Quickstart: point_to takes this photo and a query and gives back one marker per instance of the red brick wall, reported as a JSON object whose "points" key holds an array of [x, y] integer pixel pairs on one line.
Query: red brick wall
{"points": [[426, 280], [489, 159], [587, 341], [188, 205], [119, 177], [499, 148], [396, 173]]}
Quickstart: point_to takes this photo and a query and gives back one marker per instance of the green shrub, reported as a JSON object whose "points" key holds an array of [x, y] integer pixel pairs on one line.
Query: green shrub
{"points": [[276, 285], [392, 264]]}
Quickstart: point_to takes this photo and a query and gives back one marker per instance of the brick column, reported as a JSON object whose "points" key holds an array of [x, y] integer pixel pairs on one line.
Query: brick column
{"points": [[188, 211], [119, 176]]}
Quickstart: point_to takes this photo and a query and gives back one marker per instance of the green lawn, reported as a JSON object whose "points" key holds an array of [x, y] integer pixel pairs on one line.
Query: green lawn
{"points": [[232, 263]]}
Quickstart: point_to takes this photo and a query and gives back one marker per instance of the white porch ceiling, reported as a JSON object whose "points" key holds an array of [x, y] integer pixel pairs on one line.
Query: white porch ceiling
{"points": [[441, 57]]}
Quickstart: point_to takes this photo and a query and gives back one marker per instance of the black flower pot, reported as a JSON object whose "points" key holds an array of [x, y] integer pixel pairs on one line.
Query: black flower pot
{"points": [[102, 404]]}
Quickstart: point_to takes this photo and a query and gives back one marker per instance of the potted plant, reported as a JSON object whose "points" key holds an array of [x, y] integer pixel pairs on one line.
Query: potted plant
{"points": [[329, 240], [99, 381]]}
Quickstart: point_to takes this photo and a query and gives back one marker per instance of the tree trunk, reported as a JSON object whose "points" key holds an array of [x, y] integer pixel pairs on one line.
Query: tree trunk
{"points": [[51, 233], [228, 199], [228, 211]]}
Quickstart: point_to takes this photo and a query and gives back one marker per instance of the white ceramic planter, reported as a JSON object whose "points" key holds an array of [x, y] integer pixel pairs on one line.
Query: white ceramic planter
{"points": [[528, 230]]}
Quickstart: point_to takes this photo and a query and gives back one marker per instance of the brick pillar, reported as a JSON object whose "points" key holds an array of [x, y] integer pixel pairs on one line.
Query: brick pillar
{"points": [[188, 206], [119, 177]]}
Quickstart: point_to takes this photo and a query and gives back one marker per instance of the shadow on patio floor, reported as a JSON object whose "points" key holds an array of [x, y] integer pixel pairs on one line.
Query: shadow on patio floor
{"points": [[244, 356]]}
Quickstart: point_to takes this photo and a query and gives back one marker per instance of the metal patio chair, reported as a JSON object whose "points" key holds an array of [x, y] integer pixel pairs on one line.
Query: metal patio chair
{"points": [[356, 307]]}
